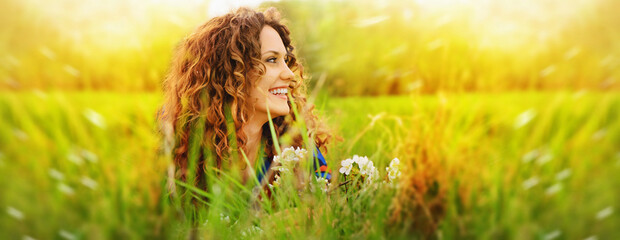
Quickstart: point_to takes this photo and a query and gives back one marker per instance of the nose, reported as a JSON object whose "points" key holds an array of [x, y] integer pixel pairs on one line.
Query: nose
{"points": [[286, 73]]}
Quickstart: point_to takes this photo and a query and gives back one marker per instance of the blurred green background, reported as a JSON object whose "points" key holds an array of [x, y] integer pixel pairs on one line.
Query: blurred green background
{"points": [[364, 47], [510, 107]]}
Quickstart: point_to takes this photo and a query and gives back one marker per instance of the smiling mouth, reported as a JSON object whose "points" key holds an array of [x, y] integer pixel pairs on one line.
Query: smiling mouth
{"points": [[279, 92]]}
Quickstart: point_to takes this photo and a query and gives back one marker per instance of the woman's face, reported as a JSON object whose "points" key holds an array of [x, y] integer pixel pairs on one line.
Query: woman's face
{"points": [[272, 88]]}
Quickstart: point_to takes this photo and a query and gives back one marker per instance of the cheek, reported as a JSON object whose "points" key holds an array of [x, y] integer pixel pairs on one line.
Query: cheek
{"points": [[270, 76], [257, 97], [263, 84]]}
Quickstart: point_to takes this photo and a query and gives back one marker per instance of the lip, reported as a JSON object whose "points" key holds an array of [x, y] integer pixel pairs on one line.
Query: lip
{"points": [[283, 97], [283, 86]]}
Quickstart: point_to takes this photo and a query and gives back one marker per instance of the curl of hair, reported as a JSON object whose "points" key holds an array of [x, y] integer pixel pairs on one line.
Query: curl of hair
{"points": [[210, 73]]}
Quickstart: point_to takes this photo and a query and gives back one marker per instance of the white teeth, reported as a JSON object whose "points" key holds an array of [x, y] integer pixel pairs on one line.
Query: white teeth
{"points": [[279, 91]]}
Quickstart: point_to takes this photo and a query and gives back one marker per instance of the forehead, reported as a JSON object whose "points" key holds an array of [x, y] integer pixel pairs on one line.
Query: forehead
{"points": [[270, 40]]}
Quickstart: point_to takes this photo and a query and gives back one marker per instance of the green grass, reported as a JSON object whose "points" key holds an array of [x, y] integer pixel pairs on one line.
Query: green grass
{"points": [[491, 179]]}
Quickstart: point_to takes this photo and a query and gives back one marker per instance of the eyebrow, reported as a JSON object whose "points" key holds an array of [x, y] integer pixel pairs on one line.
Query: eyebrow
{"points": [[272, 51]]}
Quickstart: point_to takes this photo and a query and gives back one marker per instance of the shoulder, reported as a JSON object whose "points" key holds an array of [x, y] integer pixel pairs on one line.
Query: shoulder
{"points": [[322, 170]]}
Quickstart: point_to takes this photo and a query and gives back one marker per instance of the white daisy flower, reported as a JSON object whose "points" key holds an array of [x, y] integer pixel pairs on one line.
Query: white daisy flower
{"points": [[289, 158], [367, 168], [289, 154], [371, 175], [361, 161], [393, 170], [347, 165]]}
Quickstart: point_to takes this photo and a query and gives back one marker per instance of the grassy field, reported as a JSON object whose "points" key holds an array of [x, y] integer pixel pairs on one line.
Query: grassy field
{"points": [[522, 165], [504, 117]]}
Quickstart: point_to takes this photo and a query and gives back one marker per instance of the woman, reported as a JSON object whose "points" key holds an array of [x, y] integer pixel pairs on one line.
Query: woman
{"points": [[227, 78]]}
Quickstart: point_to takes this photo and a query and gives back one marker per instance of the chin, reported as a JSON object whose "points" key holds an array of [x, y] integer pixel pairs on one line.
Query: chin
{"points": [[280, 111]]}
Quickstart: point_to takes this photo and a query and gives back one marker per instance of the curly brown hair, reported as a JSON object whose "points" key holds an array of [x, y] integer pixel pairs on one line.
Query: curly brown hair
{"points": [[209, 83]]}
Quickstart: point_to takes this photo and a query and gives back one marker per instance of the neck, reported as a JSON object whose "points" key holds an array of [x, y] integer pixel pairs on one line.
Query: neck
{"points": [[253, 131]]}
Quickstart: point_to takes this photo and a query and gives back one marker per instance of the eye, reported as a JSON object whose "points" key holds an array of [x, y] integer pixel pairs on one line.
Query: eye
{"points": [[271, 60]]}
